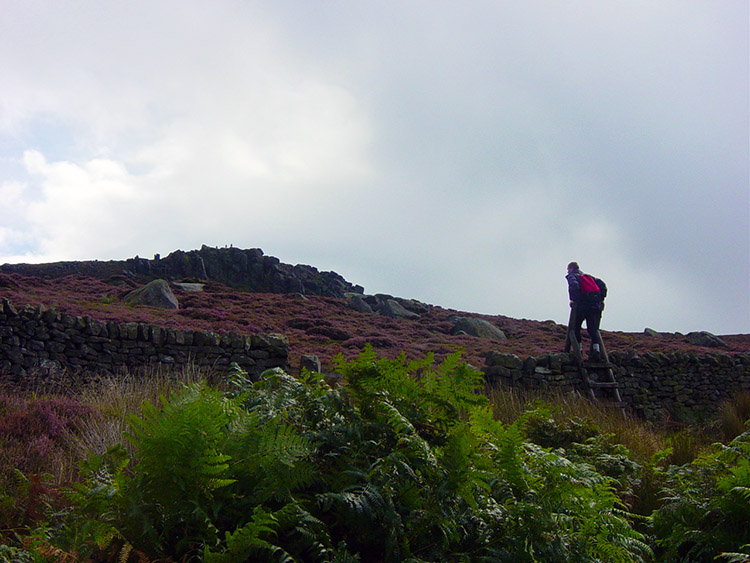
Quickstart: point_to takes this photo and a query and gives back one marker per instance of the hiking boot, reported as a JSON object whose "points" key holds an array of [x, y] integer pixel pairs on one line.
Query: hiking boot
{"points": [[594, 355]]}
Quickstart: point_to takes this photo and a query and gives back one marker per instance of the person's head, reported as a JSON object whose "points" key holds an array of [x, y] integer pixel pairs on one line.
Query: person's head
{"points": [[573, 266]]}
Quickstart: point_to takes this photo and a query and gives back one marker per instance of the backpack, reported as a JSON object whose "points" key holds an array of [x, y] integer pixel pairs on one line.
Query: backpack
{"points": [[590, 290]]}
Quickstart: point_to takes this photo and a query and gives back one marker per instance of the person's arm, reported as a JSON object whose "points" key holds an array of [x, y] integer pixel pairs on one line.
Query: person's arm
{"points": [[574, 289]]}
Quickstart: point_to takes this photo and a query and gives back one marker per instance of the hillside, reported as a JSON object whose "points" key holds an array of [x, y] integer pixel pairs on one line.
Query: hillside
{"points": [[322, 325], [399, 451]]}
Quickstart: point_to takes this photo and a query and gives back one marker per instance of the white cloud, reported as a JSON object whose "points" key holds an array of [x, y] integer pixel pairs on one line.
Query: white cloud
{"points": [[79, 208]]}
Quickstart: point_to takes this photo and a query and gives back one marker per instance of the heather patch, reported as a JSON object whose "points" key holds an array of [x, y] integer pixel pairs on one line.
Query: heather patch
{"points": [[36, 435], [330, 332]]}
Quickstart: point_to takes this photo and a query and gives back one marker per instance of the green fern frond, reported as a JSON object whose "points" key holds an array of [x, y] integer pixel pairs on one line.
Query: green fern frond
{"points": [[735, 557], [393, 417], [251, 542], [363, 504]]}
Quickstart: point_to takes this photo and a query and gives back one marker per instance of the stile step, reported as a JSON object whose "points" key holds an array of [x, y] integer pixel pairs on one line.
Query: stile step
{"points": [[598, 365], [613, 405]]}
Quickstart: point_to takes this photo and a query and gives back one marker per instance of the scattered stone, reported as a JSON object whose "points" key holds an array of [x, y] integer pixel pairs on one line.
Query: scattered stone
{"points": [[477, 327], [190, 286], [703, 338], [310, 362], [329, 332], [333, 379], [394, 309], [154, 294], [122, 280], [357, 302]]}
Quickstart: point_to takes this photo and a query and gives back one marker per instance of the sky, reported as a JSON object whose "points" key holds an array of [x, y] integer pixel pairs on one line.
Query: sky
{"points": [[457, 153]]}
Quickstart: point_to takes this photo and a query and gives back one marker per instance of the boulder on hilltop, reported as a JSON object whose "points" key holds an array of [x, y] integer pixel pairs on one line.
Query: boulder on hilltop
{"points": [[703, 338]]}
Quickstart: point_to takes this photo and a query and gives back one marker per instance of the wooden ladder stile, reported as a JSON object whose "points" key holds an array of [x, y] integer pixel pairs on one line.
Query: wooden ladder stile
{"points": [[602, 369]]}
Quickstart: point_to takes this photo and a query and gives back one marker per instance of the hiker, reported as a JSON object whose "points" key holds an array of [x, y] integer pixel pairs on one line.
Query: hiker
{"points": [[587, 295]]}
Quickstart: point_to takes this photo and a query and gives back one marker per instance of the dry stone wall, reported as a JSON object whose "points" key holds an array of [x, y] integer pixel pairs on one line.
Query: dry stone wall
{"points": [[653, 385], [35, 339]]}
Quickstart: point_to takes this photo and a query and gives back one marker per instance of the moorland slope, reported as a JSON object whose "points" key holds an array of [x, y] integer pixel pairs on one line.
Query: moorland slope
{"points": [[322, 314]]}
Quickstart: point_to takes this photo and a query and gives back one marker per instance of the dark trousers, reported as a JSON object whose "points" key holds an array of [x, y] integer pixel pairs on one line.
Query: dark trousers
{"points": [[593, 316]]}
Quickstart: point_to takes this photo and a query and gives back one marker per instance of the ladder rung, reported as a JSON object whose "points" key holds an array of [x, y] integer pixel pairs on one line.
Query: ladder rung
{"points": [[599, 365], [608, 384]]}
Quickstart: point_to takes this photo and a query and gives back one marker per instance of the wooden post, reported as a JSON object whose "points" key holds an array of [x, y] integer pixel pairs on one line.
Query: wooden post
{"points": [[570, 336]]}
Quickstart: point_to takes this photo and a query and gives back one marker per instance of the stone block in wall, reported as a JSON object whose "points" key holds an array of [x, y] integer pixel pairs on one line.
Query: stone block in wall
{"points": [[491, 373], [8, 309], [76, 338], [57, 333], [557, 361], [209, 351], [242, 360], [50, 316], [55, 347], [95, 328], [29, 328], [129, 331], [529, 365], [31, 312], [236, 341], [205, 339], [144, 332], [270, 341], [43, 334], [113, 329], [68, 321], [179, 337], [510, 361]]}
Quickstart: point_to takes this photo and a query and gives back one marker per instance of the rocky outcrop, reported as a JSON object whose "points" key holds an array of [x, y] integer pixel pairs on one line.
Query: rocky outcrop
{"points": [[249, 270], [387, 305], [154, 294]]}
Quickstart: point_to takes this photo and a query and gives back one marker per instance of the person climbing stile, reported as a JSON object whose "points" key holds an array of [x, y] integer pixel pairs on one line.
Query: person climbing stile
{"points": [[587, 295]]}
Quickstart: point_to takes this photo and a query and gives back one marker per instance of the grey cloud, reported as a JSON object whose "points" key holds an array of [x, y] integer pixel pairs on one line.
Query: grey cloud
{"points": [[459, 154]]}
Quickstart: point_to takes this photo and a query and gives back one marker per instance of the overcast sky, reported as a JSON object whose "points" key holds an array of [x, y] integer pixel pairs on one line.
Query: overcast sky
{"points": [[458, 153]]}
